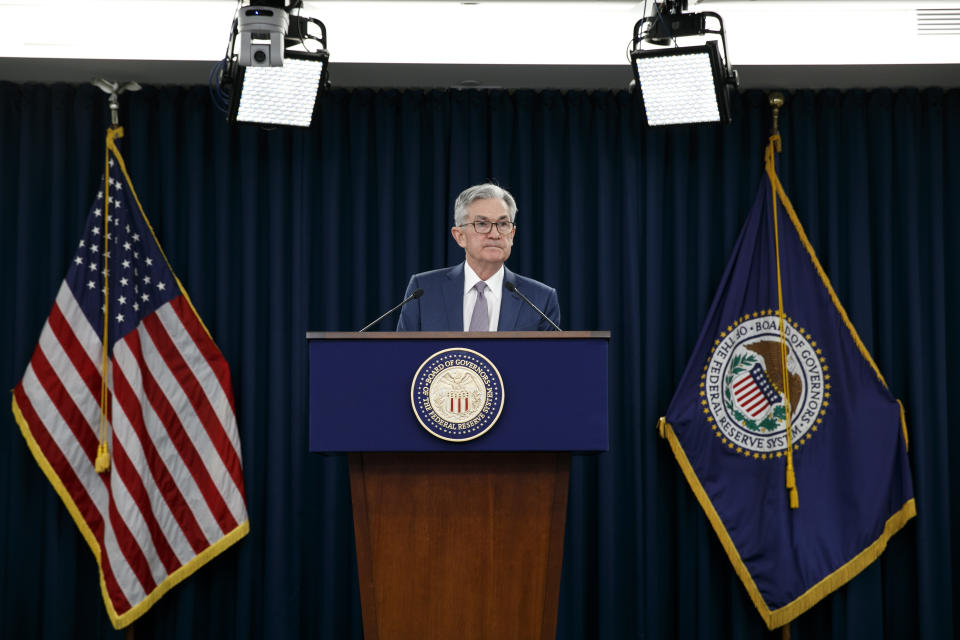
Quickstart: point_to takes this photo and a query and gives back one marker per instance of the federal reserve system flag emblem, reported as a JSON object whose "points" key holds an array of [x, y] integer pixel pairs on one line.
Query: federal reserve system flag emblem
{"points": [[743, 385], [783, 424]]}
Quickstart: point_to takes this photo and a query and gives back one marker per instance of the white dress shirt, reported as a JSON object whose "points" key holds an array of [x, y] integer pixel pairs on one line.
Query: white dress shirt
{"points": [[492, 295]]}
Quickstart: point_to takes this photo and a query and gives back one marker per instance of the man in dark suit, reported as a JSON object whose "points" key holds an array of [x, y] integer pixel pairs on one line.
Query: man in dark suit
{"points": [[471, 296]]}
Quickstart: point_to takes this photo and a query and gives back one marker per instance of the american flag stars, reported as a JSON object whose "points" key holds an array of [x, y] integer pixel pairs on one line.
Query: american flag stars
{"points": [[118, 243]]}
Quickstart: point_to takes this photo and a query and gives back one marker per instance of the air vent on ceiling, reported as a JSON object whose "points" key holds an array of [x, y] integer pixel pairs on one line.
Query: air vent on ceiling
{"points": [[942, 21]]}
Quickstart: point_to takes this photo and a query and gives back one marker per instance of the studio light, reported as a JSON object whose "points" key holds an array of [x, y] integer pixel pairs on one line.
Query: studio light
{"points": [[682, 85], [273, 73], [279, 95]]}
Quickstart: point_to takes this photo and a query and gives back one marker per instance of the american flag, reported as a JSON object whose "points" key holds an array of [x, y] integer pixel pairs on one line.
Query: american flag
{"points": [[173, 496]]}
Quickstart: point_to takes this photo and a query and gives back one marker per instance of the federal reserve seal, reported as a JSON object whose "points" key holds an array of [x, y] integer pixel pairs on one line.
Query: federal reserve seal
{"points": [[743, 389], [457, 394]]}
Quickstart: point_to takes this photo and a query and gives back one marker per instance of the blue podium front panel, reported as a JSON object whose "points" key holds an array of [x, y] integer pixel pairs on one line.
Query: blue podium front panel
{"points": [[554, 392]]}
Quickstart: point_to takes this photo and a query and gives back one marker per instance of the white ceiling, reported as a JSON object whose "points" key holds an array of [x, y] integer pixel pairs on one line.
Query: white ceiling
{"points": [[536, 44]]}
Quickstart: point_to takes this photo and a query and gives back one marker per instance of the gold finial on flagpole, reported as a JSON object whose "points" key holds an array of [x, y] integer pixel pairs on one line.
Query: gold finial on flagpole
{"points": [[776, 100]]}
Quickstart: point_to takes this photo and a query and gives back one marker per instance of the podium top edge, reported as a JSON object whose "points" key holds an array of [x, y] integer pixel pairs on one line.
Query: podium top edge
{"points": [[456, 335]]}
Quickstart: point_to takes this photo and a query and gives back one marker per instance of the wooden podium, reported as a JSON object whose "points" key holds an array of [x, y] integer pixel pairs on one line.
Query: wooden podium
{"points": [[459, 539]]}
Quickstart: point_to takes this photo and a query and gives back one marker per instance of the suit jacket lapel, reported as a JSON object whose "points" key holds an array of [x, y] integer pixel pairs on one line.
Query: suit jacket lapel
{"points": [[453, 297], [510, 304]]}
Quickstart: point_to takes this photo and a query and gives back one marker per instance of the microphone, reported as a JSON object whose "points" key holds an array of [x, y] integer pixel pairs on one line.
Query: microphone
{"points": [[413, 296], [512, 288]]}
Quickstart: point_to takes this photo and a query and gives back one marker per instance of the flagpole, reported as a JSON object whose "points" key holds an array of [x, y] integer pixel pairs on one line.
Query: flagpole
{"points": [[774, 146], [776, 101], [113, 90]]}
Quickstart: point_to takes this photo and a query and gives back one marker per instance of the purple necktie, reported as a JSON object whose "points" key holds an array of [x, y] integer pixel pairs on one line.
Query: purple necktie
{"points": [[480, 320]]}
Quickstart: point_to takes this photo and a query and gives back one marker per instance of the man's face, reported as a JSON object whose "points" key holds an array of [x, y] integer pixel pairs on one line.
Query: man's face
{"points": [[486, 252]]}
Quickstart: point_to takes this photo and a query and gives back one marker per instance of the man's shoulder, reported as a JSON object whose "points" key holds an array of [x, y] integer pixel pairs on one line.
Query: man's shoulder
{"points": [[524, 283], [435, 274]]}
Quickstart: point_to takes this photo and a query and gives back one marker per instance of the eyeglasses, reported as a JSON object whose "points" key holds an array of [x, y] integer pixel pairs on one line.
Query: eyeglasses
{"points": [[484, 226]]}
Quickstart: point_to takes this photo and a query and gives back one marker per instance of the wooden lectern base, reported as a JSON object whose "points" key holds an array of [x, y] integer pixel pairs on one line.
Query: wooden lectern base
{"points": [[459, 545]]}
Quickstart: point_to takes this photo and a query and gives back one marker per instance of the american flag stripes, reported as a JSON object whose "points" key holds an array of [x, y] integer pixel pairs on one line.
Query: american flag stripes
{"points": [[173, 496]]}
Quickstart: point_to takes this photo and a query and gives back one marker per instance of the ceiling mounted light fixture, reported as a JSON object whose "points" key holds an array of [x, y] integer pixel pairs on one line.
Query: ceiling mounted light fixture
{"points": [[272, 77], [682, 85]]}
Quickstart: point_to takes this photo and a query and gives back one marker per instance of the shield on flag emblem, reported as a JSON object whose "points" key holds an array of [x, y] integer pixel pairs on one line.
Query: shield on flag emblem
{"points": [[753, 392]]}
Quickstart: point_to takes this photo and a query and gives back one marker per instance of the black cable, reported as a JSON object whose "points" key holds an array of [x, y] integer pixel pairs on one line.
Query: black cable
{"points": [[299, 32], [233, 29], [656, 6], [220, 99]]}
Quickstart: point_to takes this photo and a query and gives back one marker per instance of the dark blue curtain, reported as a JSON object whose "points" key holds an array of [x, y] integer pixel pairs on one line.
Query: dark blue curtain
{"points": [[278, 232]]}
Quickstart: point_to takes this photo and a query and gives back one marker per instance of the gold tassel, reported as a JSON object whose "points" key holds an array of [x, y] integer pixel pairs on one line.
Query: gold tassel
{"points": [[792, 490], [792, 485], [660, 426], [102, 464]]}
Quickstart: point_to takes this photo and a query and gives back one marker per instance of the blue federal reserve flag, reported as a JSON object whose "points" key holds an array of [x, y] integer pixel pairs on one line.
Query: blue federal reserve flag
{"points": [[799, 512]]}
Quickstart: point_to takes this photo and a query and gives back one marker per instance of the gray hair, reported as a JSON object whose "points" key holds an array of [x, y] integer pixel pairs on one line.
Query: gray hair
{"points": [[482, 192]]}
